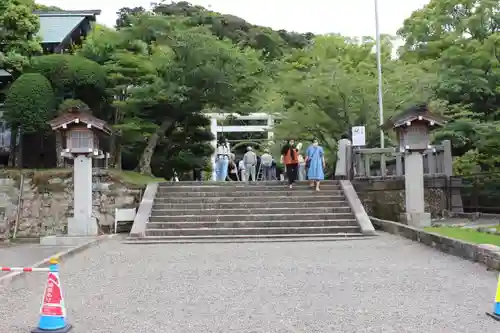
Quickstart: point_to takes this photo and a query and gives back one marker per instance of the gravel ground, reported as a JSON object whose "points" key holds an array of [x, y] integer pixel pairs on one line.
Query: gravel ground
{"points": [[385, 284], [24, 255]]}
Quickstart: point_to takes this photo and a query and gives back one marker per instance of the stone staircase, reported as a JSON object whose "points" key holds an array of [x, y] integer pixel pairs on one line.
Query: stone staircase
{"points": [[207, 212]]}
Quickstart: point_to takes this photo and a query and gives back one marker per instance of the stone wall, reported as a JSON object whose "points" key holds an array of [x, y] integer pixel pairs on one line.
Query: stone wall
{"points": [[486, 254], [384, 198], [47, 200]]}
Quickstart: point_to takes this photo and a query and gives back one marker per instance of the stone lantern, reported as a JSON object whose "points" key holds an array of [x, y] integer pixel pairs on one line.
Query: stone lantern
{"points": [[82, 132], [413, 128]]}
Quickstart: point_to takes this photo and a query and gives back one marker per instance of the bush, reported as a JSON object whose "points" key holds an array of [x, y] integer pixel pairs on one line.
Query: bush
{"points": [[67, 72], [30, 103]]}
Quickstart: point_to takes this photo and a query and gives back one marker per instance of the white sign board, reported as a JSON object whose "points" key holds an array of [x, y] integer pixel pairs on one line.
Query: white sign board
{"points": [[358, 136]]}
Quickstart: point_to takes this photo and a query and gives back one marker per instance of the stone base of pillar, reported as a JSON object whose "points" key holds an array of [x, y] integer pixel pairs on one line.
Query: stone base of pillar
{"points": [[82, 227], [419, 220]]}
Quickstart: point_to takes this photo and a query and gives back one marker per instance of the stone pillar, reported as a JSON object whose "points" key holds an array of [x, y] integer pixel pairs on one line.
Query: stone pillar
{"points": [[270, 125], [414, 189], [213, 128], [82, 223], [343, 168]]}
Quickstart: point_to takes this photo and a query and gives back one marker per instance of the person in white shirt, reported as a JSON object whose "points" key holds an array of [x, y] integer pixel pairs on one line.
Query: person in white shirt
{"points": [[241, 168], [222, 161], [250, 162]]}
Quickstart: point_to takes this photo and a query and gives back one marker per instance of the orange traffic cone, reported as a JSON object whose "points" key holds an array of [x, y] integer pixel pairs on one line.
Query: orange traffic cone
{"points": [[53, 311]]}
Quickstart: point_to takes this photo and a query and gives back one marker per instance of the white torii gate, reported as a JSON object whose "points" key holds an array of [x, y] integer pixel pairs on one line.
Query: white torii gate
{"points": [[216, 128]]}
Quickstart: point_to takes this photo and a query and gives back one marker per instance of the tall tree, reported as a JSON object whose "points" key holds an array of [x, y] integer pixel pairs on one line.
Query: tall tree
{"points": [[322, 91], [195, 71], [17, 34], [29, 104], [128, 64], [125, 16], [463, 37]]}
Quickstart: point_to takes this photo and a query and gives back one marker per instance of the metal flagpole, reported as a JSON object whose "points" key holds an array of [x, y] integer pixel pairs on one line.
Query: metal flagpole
{"points": [[379, 75]]}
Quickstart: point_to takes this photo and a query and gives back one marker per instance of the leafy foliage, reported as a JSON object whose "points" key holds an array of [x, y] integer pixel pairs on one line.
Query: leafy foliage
{"points": [[324, 90], [272, 44], [19, 26], [462, 37], [70, 104], [72, 77], [155, 75], [30, 103]]}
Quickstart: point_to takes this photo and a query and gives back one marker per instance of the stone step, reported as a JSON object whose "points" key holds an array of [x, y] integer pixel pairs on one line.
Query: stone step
{"points": [[251, 224], [248, 204], [229, 192], [242, 188], [253, 217], [232, 199], [246, 238], [253, 231], [250, 211], [230, 183]]}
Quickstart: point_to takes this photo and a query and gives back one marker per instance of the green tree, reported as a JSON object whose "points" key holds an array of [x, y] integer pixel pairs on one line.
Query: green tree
{"points": [[44, 8], [272, 44], [322, 91], [125, 16], [188, 148], [463, 38], [195, 71], [127, 64], [29, 103], [17, 35], [73, 77]]}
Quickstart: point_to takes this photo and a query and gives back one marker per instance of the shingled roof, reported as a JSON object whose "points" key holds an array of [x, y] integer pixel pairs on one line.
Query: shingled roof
{"points": [[74, 116], [416, 112], [56, 26]]}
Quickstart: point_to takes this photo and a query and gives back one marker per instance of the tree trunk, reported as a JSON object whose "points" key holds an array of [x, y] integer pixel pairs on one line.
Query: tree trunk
{"points": [[144, 166], [16, 149], [115, 144], [59, 149], [13, 147], [116, 152]]}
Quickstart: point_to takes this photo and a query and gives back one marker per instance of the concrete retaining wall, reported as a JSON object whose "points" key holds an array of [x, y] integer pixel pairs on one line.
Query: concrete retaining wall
{"points": [[486, 254]]}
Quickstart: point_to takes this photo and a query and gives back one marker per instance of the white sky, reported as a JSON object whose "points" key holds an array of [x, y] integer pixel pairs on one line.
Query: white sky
{"points": [[348, 17]]}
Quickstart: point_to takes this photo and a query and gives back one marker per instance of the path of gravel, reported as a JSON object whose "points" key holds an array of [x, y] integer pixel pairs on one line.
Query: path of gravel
{"points": [[386, 284], [25, 255]]}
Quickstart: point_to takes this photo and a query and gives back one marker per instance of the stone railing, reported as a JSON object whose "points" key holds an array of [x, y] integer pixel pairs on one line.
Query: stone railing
{"points": [[378, 176], [383, 162]]}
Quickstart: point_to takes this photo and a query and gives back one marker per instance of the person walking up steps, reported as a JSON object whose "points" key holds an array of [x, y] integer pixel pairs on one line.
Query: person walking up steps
{"points": [[315, 163], [222, 161], [250, 162], [290, 157], [266, 161]]}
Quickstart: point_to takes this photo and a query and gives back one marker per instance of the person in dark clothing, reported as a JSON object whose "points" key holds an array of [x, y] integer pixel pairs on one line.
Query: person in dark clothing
{"points": [[290, 157], [233, 171], [197, 174], [275, 173]]}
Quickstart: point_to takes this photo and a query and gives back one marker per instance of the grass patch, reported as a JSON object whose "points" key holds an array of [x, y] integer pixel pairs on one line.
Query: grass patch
{"points": [[466, 234], [135, 178]]}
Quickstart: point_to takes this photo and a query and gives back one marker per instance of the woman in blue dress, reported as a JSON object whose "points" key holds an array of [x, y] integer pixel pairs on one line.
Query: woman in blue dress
{"points": [[315, 163]]}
